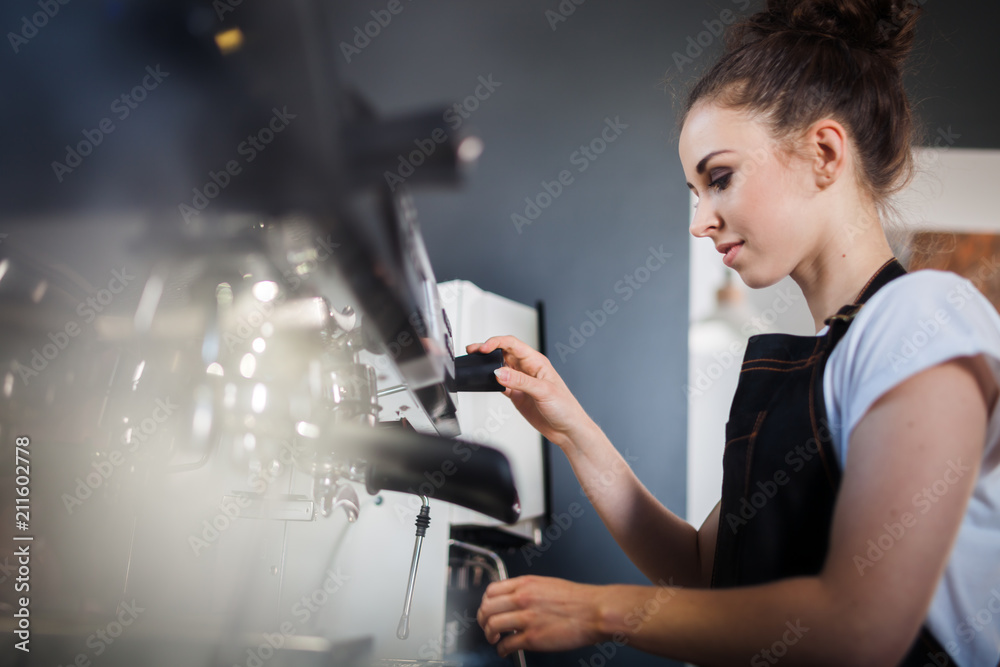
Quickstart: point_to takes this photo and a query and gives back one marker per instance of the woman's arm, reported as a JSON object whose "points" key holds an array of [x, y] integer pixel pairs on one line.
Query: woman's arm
{"points": [[913, 464], [661, 544]]}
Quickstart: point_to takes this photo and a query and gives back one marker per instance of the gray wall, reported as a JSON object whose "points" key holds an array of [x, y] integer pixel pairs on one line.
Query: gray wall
{"points": [[557, 87]]}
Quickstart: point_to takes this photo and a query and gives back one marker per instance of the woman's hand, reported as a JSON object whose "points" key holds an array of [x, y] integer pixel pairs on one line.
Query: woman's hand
{"points": [[535, 389], [540, 614]]}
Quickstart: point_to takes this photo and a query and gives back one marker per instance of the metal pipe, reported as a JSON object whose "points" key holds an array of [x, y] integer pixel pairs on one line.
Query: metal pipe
{"points": [[423, 521], [501, 572]]}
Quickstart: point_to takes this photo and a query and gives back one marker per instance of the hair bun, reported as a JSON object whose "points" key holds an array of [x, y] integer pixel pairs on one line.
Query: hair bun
{"points": [[886, 27]]}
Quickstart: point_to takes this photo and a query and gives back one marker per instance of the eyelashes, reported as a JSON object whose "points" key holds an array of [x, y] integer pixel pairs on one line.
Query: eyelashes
{"points": [[722, 182]]}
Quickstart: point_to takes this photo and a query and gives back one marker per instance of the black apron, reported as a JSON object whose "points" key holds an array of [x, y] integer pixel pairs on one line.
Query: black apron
{"points": [[780, 472]]}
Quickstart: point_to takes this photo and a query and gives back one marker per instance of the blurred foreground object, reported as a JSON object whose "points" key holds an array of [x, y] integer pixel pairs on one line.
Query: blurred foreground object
{"points": [[227, 366]]}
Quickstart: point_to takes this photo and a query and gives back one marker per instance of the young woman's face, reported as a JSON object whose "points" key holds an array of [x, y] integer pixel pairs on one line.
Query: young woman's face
{"points": [[749, 192]]}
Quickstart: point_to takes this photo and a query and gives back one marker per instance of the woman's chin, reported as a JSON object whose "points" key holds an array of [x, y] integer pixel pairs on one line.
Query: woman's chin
{"points": [[755, 280]]}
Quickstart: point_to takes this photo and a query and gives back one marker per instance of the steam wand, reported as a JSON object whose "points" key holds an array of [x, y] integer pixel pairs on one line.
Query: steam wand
{"points": [[423, 521]]}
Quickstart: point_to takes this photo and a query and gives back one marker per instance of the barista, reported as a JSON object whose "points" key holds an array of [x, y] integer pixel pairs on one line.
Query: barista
{"points": [[793, 143]]}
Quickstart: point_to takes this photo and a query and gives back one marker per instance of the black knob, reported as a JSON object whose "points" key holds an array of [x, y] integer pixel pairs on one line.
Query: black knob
{"points": [[474, 372]]}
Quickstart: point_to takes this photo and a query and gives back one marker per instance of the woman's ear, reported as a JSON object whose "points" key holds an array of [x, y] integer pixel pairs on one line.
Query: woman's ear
{"points": [[827, 147]]}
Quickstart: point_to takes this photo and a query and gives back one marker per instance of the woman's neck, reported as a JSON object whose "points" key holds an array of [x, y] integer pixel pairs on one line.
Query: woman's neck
{"points": [[835, 275]]}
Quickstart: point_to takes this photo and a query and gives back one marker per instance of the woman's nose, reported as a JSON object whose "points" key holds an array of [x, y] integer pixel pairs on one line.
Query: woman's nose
{"points": [[704, 220]]}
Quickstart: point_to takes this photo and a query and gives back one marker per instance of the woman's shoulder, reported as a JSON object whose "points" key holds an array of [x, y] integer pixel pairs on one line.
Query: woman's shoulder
{"points": [[928, 282], [926, 315], [926, 291], [912, 323]]}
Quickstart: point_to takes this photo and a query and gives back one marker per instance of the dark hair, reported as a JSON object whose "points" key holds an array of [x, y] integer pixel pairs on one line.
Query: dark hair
{"points": [[802, 60]]}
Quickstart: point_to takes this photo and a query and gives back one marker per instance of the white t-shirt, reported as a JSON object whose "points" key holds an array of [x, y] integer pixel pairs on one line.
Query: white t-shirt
{"points": [[912, 323]]}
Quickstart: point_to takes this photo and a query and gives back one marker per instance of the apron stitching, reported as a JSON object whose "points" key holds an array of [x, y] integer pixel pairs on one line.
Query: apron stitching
{"points": [[821, 445], [777, 361], [871, 280], [815, 364], [749, 454], [737, 438], [803, 362], [776, 370]]}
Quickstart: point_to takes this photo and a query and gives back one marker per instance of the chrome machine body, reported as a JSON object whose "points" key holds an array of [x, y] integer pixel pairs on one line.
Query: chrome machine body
{"points": [[229, 386]]}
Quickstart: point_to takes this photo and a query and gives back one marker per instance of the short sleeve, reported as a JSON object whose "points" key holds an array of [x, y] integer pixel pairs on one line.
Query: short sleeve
{"points": [[914, 322]]}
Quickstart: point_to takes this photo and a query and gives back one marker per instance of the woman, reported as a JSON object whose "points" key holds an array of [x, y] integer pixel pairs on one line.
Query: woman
{"points": [[792, 144]]}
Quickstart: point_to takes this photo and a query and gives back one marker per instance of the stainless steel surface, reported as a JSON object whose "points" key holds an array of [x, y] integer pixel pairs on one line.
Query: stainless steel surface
{"points": [[501, 570], [347, 499], [403, 629], [201, 352]]}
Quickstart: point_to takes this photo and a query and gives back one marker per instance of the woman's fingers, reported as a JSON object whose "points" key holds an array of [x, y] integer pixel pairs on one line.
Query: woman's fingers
{"points": [[515, 380], [538, 613], [505, 586], [515, 352], [510, 344], [500, 623], [534, 387], [499, 611], [497, 599], [511, 643], [520, 355]]}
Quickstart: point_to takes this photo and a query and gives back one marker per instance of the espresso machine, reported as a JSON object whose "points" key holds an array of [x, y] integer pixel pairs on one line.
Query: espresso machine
{"points": [[238, 421]]}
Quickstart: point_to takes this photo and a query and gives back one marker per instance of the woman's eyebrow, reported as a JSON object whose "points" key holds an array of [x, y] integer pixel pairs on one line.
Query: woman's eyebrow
{"points": [[701, 165]]}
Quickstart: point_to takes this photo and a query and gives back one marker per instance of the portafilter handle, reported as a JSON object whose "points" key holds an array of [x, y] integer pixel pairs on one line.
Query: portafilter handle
{"points": [[474, 372]]}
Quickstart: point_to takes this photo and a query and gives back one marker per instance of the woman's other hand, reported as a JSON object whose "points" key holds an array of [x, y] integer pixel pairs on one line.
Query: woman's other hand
{"points": [[540, 614]]}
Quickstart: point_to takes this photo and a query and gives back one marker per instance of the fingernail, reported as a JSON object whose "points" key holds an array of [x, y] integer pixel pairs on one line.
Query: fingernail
{"points": [[501, 374]]}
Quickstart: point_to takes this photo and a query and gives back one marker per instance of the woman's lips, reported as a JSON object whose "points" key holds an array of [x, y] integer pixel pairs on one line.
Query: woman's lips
{"points": [[730, 255]]}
